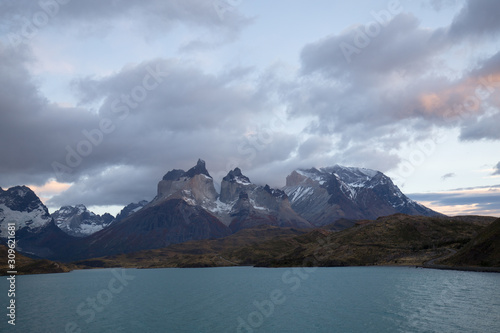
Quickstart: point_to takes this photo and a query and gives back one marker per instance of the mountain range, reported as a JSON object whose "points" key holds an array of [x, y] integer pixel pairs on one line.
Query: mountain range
{"points": [[187, 207]]}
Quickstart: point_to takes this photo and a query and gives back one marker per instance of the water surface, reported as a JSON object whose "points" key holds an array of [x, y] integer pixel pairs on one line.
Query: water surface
{"points": [[245, 299]]}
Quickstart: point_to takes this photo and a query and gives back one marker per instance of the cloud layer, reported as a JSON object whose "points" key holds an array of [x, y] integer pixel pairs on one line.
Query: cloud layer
{"points": [[359, 96]]}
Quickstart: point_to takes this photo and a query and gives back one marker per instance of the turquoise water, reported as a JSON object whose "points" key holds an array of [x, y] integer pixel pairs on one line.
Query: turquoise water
{"points": [[245, 299]]}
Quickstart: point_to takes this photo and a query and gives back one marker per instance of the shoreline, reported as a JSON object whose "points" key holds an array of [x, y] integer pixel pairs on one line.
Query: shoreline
{"points": [[463, 268], [440, 267]]}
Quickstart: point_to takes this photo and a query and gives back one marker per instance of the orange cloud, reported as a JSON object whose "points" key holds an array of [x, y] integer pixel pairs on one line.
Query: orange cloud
{"points": [[49, 189], [464, 97]]}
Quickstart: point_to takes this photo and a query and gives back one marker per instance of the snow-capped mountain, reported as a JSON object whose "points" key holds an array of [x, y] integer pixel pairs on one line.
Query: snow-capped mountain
{"points": [[325, 195], [78, 221], [187, 207], [21, 205], [177, 214], [247, 205], [36, 232]]}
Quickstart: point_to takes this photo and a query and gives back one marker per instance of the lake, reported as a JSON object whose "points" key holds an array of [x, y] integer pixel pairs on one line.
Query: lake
{"points": [[246, 299]]}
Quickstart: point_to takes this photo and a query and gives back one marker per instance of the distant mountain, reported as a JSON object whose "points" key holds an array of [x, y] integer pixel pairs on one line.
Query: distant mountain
{"points": [[78, 221], [130, 209], [248, 205], [323, 196], [187, 207], [36, 232], [195, 186], [176, 215]]}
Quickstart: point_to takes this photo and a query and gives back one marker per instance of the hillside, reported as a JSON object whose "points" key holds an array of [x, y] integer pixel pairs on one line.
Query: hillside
{"points": [[393, 240], [201, 253], [483, 250], [25, 265]]}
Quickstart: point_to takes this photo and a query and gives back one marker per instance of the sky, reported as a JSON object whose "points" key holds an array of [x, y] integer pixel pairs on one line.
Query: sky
{"points": [[99, 99]]}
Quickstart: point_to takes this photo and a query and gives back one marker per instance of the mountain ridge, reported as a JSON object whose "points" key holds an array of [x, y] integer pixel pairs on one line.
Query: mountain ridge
{"points": [[188, 207]]}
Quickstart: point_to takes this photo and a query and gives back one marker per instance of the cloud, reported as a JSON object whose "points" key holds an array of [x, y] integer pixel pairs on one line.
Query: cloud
{"points": [[389, 83], [484, 200], [477, 18], [497, 169], [448, 175], [132, 124], [25, 19], [439, 5], [153, 116]]}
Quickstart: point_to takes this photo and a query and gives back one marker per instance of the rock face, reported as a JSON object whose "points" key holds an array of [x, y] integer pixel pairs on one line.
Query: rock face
{"points": [[78, 221], [177, 214], [323, 196], [248, 205], [36, 232], [187, 207], [195, 186]]}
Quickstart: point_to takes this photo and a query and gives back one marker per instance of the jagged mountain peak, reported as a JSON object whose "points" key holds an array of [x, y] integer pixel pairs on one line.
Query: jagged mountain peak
{"points": [[275, 192], [174, 174], [327, 194], [78, 221], [194, 186], [237, 176], [130, 209], [22, 205], [198, 169], [177, 174], [234, 183]]}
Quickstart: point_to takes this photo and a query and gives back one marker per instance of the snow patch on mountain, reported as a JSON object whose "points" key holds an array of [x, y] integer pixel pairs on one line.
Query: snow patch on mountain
{"points": [[21, 206], [35, 219], [79, 221]]}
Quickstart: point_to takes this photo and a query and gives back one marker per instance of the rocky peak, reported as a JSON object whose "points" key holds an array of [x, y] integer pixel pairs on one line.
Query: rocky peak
{"points": [[131, 209], [236, 176], [78, 221], [327, 194], [20, 198], [233, 184], [194, 186], [277, 193], [21, 205], [177, 174], [198, 169], [174, 174]]}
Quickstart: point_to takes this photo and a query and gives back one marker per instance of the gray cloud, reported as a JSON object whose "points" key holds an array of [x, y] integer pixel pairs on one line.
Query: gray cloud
{"points": [[400, 45], [439, 5], [477, 18], [497, 169], [448, 175], [390, 83], [354, 98], [164, 113], [485, 203], [97, 18], [483, 128]]}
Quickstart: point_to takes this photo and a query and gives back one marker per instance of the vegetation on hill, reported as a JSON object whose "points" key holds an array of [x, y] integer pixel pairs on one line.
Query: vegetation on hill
{"points": [[483, 250], [25, 265], [393, 240]]}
